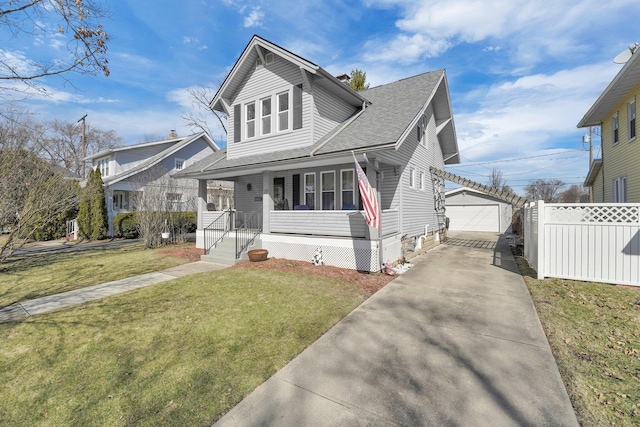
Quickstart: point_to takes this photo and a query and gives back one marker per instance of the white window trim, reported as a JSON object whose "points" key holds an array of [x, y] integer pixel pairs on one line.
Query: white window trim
{"points": [[631, 102], [262, 133], [304, 189], [289, 111], [103, 166], [412, 177], [421, 180], [322, 190], [246, 121], [176, 161], [354, 190], [423, 131], [615, 119]]}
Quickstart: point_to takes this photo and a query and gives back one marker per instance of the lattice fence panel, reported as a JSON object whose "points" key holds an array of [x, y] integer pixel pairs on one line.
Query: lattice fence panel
{"points": [[363, 259], [594, 214]]}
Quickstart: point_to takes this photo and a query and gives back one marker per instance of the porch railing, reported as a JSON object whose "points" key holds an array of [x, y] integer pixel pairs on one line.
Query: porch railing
{"points": [[217, 229], [247, 229]]}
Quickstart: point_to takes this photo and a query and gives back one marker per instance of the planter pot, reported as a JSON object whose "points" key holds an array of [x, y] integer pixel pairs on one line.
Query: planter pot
{"points": [[256, 255], [165, 235]]}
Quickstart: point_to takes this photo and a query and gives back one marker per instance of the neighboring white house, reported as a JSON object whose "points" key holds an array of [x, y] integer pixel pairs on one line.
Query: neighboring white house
{"points": [[473, 210], [292, 130], [130, 169]]}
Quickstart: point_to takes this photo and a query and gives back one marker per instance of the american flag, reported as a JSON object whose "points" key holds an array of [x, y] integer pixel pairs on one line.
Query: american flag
{"points": [[369, 198]]}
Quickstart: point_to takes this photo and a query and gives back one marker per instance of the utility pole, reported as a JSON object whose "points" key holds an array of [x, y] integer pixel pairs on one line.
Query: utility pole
{"points": [[84, 137]]}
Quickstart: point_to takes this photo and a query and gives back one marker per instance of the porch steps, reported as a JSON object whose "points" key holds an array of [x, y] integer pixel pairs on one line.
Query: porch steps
{"points": [[225, 252]]}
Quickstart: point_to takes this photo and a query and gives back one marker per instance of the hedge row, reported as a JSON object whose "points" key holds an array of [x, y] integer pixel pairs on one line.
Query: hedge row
{"points": [[126, 224]]}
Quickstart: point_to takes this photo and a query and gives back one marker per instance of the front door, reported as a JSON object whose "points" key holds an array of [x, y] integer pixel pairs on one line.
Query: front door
{"points": [[279, 201]]}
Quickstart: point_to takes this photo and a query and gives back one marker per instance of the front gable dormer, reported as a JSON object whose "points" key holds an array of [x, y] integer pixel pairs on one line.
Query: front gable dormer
{"points": [[276, 100]]}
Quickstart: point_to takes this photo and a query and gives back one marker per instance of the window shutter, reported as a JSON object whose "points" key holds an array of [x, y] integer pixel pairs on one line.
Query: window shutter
{"points": [[236, 123], [297, 107]]}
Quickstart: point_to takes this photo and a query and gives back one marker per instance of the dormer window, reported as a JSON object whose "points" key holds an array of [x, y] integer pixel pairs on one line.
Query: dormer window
{"points": [[179, 164], [103, 167]]}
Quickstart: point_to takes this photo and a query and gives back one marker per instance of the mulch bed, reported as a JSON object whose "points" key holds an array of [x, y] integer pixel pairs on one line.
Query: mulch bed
{"points": [[369, 282]]}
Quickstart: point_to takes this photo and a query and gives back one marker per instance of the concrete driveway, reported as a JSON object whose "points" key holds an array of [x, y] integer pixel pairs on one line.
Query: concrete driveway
{"points": [[455, 341]]}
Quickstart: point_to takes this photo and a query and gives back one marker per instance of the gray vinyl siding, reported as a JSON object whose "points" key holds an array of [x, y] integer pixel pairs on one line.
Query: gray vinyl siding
{"points": [[319, 223], [246, 200], [416, 206], [389, 197], [329, 112], [275, 78], [126, 159]]}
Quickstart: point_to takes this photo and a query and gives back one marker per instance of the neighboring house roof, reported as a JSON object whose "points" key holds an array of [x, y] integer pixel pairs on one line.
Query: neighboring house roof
{"points": [[627, 79], [66, 173], [395, 109], [595, 167], [256, 48], [473, 191], [176, 144]]}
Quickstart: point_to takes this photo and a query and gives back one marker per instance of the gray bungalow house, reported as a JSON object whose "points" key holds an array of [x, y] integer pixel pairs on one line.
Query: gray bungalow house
{"points": [[293, 132], [131, 169]]}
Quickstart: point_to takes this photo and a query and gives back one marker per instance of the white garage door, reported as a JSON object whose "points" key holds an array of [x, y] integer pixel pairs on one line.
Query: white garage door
{"points": [[474, 218]]}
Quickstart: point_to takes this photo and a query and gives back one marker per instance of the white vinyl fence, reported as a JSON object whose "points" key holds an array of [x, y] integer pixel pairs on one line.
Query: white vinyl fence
{"points": [[586, 241]]}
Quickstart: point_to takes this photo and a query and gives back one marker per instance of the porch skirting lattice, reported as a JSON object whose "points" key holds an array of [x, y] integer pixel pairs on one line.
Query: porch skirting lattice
{"points": [[357, 254]]}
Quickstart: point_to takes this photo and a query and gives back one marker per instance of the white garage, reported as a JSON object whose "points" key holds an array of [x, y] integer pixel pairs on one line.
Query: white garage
{"points": [[472, 210]]}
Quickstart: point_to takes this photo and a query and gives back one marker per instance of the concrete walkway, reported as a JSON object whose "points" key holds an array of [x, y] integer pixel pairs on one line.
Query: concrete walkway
{"points": [[455, 341], [53, 302]]}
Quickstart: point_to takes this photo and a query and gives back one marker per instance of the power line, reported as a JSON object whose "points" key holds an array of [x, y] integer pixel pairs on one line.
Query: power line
{"points": [[513, 159]]}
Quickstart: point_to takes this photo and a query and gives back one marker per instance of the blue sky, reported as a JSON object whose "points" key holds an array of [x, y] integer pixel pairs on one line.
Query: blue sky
{"points": [[521, 73]]}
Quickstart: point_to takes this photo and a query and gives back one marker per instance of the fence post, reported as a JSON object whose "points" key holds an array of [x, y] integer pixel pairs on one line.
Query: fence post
{"points": [[541, 243]]}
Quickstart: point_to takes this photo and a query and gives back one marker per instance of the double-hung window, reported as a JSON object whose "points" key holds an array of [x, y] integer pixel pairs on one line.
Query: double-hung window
{"points": [[615, 125], [619, 190], [422, 131], [265, 113], [348, 184], [310, 190], [328, 180], [103, 167], [412, 177], [283, 111], [421, 180], [631, 117], [250, 116]]}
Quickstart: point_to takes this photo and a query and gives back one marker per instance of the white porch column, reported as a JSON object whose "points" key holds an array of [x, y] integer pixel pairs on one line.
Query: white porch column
{"points": [[202, 202], [267, 201]]}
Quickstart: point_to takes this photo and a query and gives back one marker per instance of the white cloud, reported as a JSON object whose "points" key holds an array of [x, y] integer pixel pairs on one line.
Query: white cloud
{"points": [[530, 113], [254, 19]]}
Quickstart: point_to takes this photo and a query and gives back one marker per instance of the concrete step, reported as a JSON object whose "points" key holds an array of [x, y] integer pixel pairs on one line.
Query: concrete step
{"points": [[225, 252]]}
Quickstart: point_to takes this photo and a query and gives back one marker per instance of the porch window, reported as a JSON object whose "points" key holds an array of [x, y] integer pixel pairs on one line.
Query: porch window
{"points": [[614, 128], [310, 190], [250, 115], [265, 111], [631, 116], [412, 177], [328, 190], [347, 183], [283, 111], [619, 190]]}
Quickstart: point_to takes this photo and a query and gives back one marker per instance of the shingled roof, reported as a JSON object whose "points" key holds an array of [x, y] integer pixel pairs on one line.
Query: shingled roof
{"points": [[394, 109]]}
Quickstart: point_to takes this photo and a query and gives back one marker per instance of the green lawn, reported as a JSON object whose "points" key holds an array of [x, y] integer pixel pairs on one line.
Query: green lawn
{"points": [[45, 274], [594, 333], [179, 353]]}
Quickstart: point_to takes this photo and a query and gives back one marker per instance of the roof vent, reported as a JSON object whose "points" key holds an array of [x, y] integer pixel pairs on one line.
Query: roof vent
{"points": [[172, 134], [344, 78]]}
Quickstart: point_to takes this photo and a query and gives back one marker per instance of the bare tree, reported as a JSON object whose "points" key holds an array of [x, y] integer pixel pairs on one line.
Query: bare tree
{"points": [[61, 143], [200, 114], [31, 197], [544, 189], [75, 21], [497, 181], [572, 194]]}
